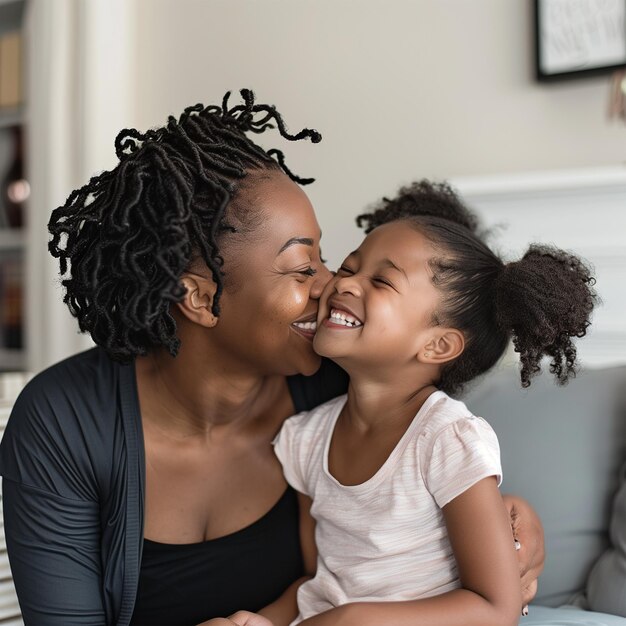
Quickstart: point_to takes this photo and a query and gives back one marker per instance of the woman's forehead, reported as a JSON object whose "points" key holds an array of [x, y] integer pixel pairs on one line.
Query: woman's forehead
{"points": [[287, 211]]}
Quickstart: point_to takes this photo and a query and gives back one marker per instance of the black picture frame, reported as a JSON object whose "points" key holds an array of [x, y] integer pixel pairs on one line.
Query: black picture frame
{"points": [[565, 32]]}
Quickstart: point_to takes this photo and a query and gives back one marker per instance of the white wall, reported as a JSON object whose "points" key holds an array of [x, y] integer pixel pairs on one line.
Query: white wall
{"points": [[79, 93], [579, 210], [400, 89]]}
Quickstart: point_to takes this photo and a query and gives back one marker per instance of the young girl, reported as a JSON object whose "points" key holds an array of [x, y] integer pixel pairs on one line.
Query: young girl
{"points": [[401, 518]]}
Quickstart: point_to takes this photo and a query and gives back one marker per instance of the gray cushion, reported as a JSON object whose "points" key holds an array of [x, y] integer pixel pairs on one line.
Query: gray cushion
{"points": [[542, 616], [562, 448], [606, 588]]}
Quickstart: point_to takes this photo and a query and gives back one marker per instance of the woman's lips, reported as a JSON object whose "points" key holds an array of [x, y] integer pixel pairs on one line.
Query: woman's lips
{"points": [[306, 328]]}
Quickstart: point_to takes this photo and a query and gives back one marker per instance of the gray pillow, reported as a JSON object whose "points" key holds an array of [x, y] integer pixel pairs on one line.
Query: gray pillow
{"points": [[606, 588], [568, 616], [562, 449]]}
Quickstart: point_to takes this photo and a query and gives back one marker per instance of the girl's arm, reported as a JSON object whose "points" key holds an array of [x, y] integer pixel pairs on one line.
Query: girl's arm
{"points": [[307, 535], [480, 533], [284, 610]]}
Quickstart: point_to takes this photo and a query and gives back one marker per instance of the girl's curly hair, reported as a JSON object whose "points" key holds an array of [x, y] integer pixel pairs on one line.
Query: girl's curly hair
{"points": [[124, 239], [542, 301]]}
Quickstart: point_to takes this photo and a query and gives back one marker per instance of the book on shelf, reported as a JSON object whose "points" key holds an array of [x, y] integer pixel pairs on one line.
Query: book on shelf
{"points": [[11, 70], [11, 300], [14, 189]]}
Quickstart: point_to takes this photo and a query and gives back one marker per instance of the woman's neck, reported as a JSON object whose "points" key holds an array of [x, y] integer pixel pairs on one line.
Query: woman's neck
{"points": [[194, 395]]}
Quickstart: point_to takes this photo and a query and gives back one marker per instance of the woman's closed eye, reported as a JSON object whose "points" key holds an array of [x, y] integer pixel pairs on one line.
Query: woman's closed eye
{"points": [[309, 271], [302, 273]]}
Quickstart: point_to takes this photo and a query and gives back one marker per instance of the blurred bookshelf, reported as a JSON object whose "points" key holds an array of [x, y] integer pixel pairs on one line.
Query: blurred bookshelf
{"points": [[14, 190], [12, 250]]}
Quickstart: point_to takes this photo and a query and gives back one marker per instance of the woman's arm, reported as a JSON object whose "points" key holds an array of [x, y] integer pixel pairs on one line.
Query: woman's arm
{"points": [[54, 551], [307, 535], [284, 610], [480, 533], [528, 531]]}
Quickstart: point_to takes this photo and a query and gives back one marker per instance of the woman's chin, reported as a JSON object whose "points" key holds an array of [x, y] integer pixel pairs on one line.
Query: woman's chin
{"points": [[312, 365]]}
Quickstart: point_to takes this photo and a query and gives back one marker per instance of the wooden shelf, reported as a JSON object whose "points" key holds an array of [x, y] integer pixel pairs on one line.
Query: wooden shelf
{"points": [[11, 117], [12, 239], [12, 360]]}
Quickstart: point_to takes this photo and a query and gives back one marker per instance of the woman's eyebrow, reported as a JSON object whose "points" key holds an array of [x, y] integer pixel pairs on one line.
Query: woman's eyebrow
{"points": [[306, 241]]}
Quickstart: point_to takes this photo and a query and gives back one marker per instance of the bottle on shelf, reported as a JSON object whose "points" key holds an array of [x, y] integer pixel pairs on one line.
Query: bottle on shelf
{"points": [[15, 188]]}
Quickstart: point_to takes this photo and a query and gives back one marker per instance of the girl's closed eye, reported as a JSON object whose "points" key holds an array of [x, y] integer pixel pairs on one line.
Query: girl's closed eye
{"points": [[382, 281]]}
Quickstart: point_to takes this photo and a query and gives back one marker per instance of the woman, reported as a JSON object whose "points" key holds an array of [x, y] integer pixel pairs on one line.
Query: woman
{"points": [[140, 486]]}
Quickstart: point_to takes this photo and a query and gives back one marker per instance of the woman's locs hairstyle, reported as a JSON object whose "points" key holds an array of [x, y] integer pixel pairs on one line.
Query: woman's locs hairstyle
{"points": [[124, 239], [541, 301]]}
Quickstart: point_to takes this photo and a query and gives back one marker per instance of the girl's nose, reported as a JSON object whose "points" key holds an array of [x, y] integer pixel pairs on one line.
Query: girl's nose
{"points": [[321, 279], [348, 284]]}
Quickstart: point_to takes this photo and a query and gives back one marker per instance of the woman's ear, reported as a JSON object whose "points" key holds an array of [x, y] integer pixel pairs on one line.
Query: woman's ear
{"points": [[447, 345], [197, 302]]}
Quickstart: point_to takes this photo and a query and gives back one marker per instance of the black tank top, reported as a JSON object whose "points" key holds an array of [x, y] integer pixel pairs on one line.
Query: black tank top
{"points": [[186, 584]]}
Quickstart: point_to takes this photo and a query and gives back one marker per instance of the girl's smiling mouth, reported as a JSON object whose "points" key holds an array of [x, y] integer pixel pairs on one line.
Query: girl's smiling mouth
{"points": [[343, 319]]}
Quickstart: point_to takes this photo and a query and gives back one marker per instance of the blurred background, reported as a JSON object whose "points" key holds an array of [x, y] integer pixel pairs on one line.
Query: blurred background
{"points": [[400, 89], [520, 104]]}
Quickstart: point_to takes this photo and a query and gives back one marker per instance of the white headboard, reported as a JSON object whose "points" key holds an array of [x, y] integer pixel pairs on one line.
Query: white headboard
{"points": [[583, 211]]}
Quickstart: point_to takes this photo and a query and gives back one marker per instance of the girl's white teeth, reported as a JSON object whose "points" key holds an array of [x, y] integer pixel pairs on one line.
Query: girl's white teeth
{"points": [[306, 325], [343, 319]]}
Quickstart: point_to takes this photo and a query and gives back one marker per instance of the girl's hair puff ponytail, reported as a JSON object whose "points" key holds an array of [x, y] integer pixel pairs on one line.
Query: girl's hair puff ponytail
{"points": [[544, 300]]}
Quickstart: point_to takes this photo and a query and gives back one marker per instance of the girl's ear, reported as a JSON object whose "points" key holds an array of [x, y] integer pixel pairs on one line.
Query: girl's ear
{"points": [[198, 300], [447, 345]]}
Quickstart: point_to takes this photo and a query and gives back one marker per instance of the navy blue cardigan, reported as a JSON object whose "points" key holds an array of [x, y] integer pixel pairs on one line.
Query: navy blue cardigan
{"points": [[72, 461]]}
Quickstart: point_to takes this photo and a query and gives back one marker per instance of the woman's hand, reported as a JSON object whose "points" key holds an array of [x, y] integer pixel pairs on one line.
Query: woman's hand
{"points": [[240, 618], [528, 531]]}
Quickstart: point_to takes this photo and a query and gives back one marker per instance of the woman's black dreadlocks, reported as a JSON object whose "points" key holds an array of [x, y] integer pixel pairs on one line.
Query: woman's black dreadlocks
{"points": [[124, 240]]}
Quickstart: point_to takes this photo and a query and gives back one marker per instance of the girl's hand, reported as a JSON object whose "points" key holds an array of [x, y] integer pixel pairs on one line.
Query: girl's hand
{"points": [[245, 618], [218, 621]]}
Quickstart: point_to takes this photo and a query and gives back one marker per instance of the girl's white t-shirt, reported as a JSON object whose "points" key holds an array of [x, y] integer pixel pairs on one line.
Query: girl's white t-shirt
{"points": [[385, 539]]}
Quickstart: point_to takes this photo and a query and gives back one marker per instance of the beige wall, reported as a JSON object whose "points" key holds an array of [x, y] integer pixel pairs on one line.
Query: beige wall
{"points": [[399, 88]]}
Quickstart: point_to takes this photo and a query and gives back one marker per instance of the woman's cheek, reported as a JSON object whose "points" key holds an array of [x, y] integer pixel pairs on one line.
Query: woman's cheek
{"points": [[300, 296], [288, 303]]}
